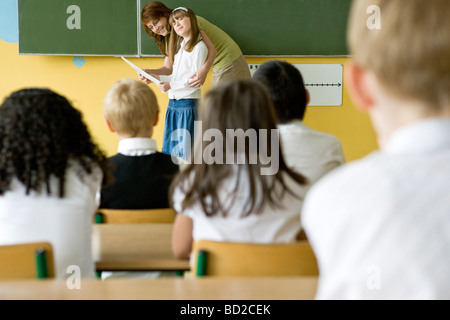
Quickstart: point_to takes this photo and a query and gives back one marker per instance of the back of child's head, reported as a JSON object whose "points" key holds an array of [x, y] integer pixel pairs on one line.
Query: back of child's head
{"points": [[406, 44], [40, 133], [241, 118], [286, 87], [131, 107], [235, 105]]}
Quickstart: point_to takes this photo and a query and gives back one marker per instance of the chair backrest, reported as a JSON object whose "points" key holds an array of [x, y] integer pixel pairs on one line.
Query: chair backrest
{"points": [[26, 261], [124, 216], [132, 241], [246, 259]]}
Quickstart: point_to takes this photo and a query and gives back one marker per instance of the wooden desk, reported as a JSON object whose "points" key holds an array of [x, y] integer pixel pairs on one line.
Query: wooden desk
{"points": [[284, 288]]}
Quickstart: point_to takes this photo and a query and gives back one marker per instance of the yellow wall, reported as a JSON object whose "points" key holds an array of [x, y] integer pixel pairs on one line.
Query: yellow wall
{"points": [[86, 87]]}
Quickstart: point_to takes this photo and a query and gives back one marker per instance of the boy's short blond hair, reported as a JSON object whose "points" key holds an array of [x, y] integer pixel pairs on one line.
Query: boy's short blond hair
{"points": [[410, 53], [131, 107]]}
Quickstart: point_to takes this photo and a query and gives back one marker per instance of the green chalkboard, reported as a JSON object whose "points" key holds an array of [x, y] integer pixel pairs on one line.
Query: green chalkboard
{"points": [[113, 27], [272, 27], [79, 27]]}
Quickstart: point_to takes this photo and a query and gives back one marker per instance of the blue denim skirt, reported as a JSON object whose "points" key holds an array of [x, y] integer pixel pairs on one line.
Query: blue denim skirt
{"points": [[178, 136]]}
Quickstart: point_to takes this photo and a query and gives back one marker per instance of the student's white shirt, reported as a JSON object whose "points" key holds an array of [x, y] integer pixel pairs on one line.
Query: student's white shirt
{"points": [[380, 226], [136, 147], [185, 65], [310, 152], [273, 225], [65, 223]]}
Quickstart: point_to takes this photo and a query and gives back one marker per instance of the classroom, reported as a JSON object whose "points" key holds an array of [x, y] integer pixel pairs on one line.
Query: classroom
{"points": [[68, 74], [82, 61]]}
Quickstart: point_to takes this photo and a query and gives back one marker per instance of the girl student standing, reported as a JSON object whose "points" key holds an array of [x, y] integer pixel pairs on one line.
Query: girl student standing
{"points": [[224, 55], [186, 53], [237, 202]]}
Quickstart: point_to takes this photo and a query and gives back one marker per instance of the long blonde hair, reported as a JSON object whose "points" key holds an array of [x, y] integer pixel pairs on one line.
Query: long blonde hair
{"points": [[175, 39]]}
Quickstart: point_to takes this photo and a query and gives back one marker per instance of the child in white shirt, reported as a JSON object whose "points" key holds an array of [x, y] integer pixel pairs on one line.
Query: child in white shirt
{"points": [[232, 196], [380, 226], [187, 53]]}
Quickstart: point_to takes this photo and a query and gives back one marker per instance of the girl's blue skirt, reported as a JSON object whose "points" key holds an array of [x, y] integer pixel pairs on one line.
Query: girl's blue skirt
{"points": [[178, 136]]}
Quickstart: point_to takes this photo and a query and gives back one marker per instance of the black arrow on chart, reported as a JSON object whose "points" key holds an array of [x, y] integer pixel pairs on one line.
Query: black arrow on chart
{"points": [[323, 85]]}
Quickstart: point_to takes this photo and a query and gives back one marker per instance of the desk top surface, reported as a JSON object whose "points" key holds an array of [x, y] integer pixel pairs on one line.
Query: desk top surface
{"points": [[258, 288]]}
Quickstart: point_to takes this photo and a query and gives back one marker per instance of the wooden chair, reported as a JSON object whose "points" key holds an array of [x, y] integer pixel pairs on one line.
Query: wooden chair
{"points": [[26, 261], [123, 216], [135, 247], [244, 259]]}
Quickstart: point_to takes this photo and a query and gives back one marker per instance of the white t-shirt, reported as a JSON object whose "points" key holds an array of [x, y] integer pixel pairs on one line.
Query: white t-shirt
{"points": [[271, 226], [310, 152], [65, 223], [380, 227], [184, 66]]}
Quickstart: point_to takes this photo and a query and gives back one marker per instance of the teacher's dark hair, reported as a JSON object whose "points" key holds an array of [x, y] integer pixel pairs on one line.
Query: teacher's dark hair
{"points": [[155, 10], [286, 87], [40, 135]]}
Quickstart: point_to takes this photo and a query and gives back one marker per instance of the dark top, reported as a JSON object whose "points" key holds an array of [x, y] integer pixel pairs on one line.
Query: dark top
{"points": [[140, 182]]}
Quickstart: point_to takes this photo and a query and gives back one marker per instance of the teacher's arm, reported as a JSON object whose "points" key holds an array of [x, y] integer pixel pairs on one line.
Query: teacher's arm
{"points": [[199, 77]]}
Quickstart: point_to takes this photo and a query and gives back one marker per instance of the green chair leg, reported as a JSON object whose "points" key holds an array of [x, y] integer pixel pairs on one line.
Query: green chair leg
{"points": [[41, 263], [201, 263]]}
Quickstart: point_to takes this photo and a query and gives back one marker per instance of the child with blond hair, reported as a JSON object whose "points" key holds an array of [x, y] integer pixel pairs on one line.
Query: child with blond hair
{"points": [[379, 226], [142, 174]]}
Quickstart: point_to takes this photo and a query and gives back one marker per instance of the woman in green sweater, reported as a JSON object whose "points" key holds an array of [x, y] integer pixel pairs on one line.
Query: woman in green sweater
{"points": [[224, 55]]}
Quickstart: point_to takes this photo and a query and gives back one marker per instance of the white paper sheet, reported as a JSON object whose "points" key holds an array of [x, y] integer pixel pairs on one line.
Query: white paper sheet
{"points": [[142, 72]]}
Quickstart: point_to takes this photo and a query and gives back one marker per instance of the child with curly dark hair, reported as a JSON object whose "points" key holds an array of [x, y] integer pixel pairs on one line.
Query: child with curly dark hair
{"points": [[50, 173]]}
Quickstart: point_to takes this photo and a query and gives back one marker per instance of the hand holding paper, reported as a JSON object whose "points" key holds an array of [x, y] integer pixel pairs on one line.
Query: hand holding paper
{"points": [[142, 72], [164, 87]]}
